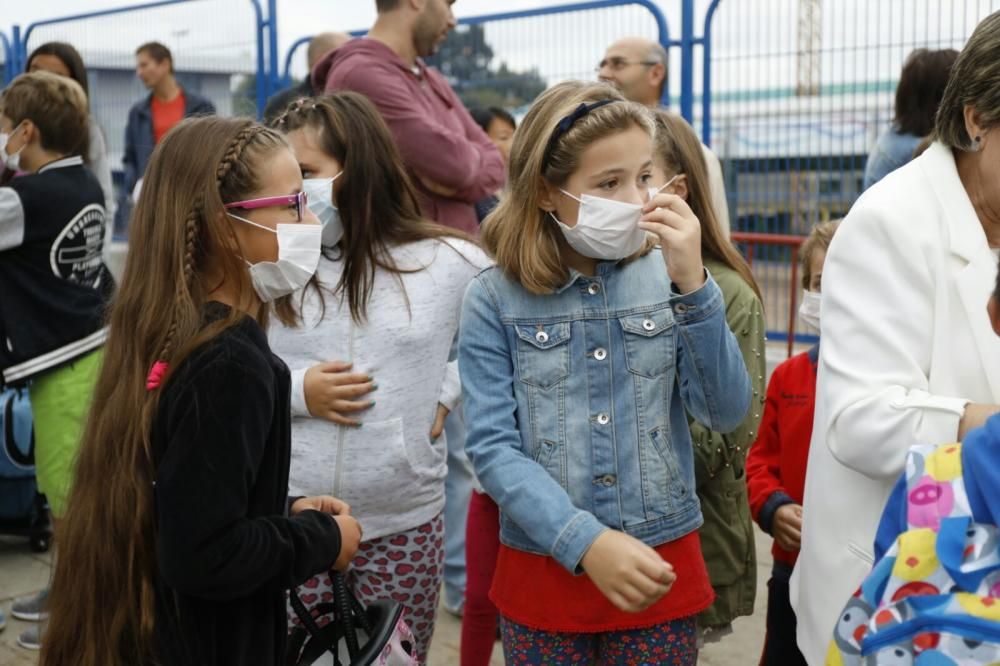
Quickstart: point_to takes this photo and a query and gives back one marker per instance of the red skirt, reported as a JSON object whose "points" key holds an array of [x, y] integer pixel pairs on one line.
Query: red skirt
{"points": [[537, 592]]}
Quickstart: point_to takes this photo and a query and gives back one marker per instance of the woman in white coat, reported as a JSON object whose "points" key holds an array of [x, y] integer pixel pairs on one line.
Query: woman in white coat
{"points": [[908, 355]]}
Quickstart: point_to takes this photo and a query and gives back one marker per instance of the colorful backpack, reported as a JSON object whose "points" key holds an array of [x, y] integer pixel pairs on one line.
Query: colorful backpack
{"points": [[934, 598]]}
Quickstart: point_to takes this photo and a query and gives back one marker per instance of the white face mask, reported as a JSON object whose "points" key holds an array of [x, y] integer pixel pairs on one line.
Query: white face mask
{"points": [[298, 256], [320, 194], [12, 162], [809, 310], [605, 229]]}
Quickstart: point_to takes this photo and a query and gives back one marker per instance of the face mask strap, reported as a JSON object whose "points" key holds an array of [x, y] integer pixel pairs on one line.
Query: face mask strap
{"points": [[329, 180], [14, 131], [328, 183], [10, 135], [251, 223], [578, 200], [653, 193]]}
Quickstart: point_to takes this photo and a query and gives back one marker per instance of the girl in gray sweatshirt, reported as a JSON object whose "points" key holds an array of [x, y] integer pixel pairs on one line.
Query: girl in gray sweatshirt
{"points": [[367, 344]]}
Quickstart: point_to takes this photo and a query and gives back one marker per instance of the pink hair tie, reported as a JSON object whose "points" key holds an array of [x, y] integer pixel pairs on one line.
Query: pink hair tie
{"points": [[156, 373]]}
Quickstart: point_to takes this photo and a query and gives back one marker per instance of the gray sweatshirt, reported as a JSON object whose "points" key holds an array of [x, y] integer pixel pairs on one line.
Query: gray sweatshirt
{"points": [[388, 470]]}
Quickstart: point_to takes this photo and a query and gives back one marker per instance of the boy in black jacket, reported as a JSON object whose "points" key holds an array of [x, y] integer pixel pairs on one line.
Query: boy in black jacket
{"points": [[53, 283]]}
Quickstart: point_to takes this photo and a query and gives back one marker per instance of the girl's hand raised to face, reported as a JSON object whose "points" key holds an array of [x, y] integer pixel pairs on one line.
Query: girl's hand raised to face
{"points": [[669, 217]]}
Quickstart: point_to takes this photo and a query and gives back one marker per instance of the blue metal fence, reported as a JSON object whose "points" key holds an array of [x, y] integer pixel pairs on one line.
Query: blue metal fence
{"points": [[791, 94], [218, 47], [797, 93], [8, 60], [509, 57]]}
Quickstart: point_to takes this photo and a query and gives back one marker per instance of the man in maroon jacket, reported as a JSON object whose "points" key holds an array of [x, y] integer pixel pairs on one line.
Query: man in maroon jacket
{"points": [[454, 162]]}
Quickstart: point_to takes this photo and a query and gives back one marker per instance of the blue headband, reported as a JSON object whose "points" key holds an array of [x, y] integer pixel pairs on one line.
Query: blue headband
{"points": [[567, 123]]}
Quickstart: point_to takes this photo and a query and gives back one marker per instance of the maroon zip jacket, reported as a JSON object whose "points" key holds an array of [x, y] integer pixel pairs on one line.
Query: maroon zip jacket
{"points": [[776, 464], [439, 140]]}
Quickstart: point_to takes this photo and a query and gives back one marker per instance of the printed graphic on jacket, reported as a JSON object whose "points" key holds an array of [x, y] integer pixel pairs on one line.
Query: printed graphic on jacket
{"points": [[934, 598], [76, 252]]}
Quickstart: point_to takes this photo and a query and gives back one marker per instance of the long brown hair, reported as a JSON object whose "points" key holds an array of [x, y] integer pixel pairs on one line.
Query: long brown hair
{"points": [[679, 151], [377, 201], [102, 597], [518, 233]]}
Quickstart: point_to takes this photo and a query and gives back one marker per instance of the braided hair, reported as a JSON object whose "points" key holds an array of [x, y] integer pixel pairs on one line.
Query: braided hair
{"points": [[234, 177], [103, 609]]}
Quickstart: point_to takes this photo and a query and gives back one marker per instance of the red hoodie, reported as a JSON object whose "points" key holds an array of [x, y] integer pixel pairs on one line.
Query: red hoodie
{"points": [[776, 464], [437, 137]]}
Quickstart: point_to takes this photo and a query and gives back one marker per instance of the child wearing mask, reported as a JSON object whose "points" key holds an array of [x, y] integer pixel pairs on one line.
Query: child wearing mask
{"points": [[381, 314], [578, 356], [720, 459], [180, 541], [55, 283], [776, 466]]}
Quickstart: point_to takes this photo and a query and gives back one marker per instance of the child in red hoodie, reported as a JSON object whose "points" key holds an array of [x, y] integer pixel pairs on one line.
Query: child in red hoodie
{"points": [[776, 465]]}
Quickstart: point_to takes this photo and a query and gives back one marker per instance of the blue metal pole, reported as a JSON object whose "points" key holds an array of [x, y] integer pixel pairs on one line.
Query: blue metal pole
{"points": [[288, 58], [7, 58], [261, 63], [706, 93], [273, 57], [687, 60], [17, 48]]}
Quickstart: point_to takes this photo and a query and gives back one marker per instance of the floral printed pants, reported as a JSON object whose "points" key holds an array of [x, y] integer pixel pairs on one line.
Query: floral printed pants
{"points": [[670, 644]]}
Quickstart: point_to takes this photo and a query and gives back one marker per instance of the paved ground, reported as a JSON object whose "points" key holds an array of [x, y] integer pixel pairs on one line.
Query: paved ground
{"points": [[23, 572]]}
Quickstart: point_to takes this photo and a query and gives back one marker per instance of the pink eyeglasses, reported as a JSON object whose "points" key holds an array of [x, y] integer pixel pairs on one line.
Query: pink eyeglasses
{"points": [[299, 200]]}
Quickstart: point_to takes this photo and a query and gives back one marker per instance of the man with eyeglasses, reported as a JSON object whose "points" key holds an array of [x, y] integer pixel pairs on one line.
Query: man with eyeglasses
{"points": [[638, 68]]}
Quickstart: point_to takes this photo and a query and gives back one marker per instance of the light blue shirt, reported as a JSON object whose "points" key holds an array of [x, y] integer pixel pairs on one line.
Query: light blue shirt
{"points": [[892, 150]]}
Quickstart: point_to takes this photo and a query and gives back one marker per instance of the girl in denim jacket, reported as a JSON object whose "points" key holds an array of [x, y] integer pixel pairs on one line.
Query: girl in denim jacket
{"points": [[581, 353]]}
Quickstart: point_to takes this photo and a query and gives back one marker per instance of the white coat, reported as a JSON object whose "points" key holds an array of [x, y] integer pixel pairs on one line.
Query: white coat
{"points": [[907, 343]]}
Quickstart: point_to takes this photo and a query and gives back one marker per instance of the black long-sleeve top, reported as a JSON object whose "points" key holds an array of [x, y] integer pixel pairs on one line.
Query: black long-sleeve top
{"points": [[226, 549]]}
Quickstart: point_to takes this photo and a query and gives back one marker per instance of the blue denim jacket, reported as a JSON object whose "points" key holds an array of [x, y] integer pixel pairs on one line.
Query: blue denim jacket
{"points": [[575, 402], [892, 151]]}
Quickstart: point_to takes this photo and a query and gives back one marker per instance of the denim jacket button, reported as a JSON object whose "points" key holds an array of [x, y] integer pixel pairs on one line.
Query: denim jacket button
{"points": [[542, 337], [649, 324], [681, 308], [594, 289], [608, 480], [600, 353], [603, 418]]}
